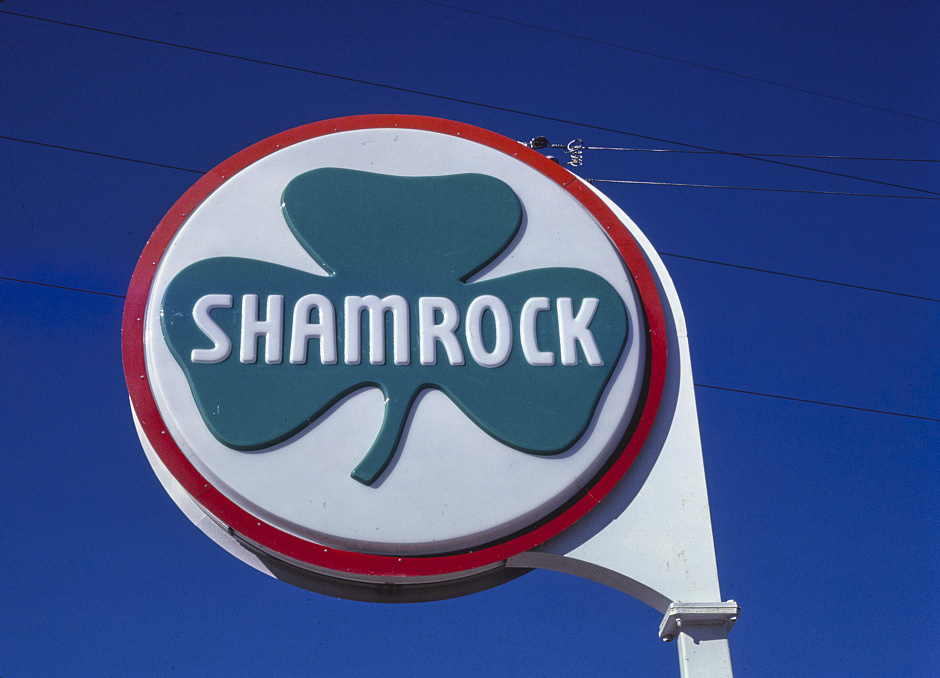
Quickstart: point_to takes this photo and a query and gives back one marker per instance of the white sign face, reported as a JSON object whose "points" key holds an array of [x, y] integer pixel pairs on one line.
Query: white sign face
{"points": [[393, 347]]}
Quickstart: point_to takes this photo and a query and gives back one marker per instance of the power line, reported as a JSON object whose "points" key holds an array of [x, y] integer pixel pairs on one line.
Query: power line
{"points": [[762, 155], [717, 388], [100, 155], [817, 402], [798, 277], [698, 150], [684, 62], [462, 101], [666, 254], [62, 287], [758, 188], [663, 254], [592, 181]]}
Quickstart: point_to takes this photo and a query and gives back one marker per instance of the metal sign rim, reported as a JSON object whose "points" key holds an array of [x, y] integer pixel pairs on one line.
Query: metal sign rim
{"points": [[352, 563]]}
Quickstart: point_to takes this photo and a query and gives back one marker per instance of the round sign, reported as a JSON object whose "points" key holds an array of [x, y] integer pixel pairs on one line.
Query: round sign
{"points": [[393, 349]]}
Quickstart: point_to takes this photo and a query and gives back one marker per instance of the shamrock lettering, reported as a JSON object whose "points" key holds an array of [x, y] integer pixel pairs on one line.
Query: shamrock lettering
{"points": [[268, 349]]}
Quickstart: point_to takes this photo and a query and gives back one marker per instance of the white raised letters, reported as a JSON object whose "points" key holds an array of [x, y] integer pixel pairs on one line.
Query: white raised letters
{"points": [[271, 328], [431, 332], [302, 329], [221, 344], [438, 320], [573, 330], [503, 344], [528, 334], [401, 343]]}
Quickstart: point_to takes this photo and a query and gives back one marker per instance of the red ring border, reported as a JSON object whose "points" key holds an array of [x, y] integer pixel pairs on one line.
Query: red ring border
{"points": [[352, 562]]}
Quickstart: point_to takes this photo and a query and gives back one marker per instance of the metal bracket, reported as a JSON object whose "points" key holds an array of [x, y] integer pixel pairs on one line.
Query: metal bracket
{"points": [[682, 615]]}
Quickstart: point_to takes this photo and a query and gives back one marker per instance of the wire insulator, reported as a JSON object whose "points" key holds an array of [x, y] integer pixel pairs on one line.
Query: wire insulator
{"points": [[575, 152], [574, 149]]}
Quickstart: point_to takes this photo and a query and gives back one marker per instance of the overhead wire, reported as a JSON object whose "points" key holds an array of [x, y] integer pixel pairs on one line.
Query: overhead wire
{"points": [[468, 102], [763, 188], [709, 386], [62, 287], [688, 148], [100, 155], [684, 62], [592, 181], [762, 155], [817, 402], [668, 254], [797, 276]]}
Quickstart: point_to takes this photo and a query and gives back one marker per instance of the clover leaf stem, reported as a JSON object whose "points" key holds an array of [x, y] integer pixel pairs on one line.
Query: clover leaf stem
{"points": [[383, 449]]}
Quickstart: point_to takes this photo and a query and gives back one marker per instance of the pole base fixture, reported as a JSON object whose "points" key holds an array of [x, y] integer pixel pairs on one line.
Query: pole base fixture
{"points": [[679, 616]]}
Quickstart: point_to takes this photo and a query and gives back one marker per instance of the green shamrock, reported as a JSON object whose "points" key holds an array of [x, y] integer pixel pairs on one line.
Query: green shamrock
{"points": [[268, 349]]}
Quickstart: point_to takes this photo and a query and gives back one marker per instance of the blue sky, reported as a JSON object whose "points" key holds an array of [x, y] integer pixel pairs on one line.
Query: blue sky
{"points": [[814, 318]]}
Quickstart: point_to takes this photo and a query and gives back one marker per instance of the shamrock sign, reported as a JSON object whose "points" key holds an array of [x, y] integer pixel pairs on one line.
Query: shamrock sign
{"points": [[267, 349]]}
